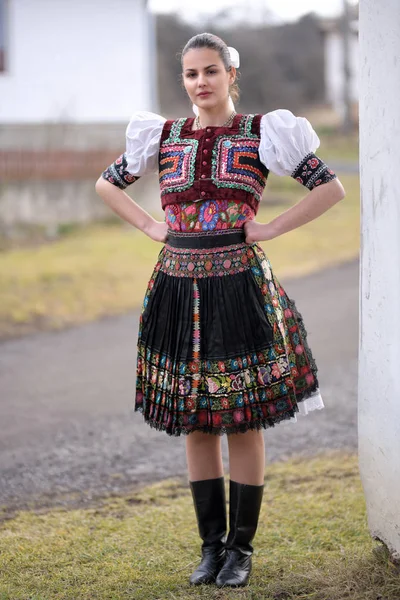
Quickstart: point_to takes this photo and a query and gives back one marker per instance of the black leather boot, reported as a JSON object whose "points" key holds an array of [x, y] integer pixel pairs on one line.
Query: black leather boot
{"points": [[244, 509], [210, 507]]}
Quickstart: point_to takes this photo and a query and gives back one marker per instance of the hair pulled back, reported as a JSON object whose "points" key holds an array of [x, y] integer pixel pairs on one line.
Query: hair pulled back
{"points": [[213, 42]]}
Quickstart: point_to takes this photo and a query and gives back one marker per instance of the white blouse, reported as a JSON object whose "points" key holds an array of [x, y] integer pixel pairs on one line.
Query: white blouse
{"points": [[143, 136], [284, 141]]}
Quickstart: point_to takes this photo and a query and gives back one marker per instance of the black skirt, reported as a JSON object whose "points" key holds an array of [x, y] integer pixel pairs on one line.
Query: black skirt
{"points": [[221, 347]]}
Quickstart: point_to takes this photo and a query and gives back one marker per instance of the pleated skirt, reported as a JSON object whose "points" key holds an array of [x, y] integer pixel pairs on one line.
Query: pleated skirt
{"points": [[221, 347]]}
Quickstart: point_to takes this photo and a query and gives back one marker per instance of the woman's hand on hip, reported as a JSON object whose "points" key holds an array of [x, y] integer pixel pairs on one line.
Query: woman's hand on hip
{"points": [[258, 232], [157, 231]]}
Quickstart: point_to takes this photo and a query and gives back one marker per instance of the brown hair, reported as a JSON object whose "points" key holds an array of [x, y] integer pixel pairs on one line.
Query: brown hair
{"points": [[213, 42]]}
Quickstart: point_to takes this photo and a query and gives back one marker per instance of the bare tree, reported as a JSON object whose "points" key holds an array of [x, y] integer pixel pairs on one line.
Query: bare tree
{"points": [[347, 123]]}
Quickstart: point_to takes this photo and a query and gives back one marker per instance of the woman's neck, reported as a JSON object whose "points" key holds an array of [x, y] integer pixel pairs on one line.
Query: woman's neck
{"points": [[214, 117]]}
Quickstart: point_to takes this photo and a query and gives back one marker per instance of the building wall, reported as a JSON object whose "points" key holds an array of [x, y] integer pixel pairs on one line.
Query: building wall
{"points": [[74, 74], [379, 358], [334, 75], [86, 61], [26, 205]]}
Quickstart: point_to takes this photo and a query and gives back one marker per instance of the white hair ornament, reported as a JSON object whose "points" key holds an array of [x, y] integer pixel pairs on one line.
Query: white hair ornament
{"points": [[235, 60]]}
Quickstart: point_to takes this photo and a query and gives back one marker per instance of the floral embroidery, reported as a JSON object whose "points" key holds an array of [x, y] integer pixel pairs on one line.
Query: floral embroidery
{"points": [[117, 173], [312, 171], [254, 390], [213, 262], [208, 215]]}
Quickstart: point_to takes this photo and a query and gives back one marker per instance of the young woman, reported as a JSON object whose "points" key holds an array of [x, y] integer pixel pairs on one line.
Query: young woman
{"points": [[222, 349]]}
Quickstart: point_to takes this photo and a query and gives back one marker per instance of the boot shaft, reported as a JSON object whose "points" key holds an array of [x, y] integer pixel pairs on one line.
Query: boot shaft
{"points": [[244, 509], [209, 502]]}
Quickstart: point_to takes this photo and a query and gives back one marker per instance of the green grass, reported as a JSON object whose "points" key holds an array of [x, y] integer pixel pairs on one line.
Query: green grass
{"points": [[337, 147], [312, 543], [103, 270]]}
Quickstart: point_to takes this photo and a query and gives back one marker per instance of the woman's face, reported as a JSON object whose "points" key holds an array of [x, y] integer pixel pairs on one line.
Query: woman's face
{"points": [[205, 78]]}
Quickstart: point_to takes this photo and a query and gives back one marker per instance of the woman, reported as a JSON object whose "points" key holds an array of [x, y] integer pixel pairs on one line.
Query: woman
{"points": [[221, 348]]}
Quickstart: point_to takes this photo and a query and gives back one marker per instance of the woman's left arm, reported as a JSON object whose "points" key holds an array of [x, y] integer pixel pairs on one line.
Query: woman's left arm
{"points": [[320, 199], [287, 147]]}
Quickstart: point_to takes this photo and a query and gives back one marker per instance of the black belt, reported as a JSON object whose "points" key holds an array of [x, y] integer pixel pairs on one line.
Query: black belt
{"points": [[205, 239]]}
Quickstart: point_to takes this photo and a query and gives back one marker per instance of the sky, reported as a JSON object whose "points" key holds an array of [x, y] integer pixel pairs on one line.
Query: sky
{"points": [[283, 10]]}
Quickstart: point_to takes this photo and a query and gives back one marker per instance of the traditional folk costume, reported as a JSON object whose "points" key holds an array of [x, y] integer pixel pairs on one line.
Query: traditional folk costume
{"points": [[221, 346]]}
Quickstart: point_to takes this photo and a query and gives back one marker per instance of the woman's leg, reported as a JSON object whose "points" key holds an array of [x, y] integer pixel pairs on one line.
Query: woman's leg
{"points": [[247, 457], [204, 456], [204, 459], [246, 487]]}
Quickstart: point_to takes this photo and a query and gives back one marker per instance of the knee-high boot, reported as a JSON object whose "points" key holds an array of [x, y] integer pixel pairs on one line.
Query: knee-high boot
{"points": [[244, 509], [210, 507]]}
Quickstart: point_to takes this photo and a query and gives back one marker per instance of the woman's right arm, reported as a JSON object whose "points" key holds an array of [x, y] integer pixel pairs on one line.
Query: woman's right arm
{"points": [[110, 187]]}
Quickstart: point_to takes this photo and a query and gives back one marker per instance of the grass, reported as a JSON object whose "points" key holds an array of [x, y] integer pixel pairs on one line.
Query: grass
{"points": [[338, 147], [312, 543], [103, 270]]}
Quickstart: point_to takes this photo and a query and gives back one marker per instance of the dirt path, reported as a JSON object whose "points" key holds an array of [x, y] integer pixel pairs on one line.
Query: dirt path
{"points": [[67, 429]]}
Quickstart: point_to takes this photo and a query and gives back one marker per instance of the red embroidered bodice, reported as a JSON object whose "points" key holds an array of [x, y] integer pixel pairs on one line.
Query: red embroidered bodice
{"points": [[214, 163]]}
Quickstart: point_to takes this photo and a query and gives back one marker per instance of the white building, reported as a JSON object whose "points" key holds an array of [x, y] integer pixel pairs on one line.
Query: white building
{"points": [[72, 72], [334, 62], [75, 61]]}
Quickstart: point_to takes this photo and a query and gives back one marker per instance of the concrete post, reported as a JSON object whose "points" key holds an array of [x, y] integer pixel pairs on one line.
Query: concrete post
{"points": [[379, 358]]}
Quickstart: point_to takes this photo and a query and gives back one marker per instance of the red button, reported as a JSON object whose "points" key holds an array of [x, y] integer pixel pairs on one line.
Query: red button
{"points": [[203, 176], [208, 130], [203, 193], [205, 151], [208, 139], [204, 162]]}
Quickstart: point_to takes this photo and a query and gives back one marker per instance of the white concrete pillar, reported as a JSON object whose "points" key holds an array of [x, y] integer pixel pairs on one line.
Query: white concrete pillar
{"points": [[379, 359]]}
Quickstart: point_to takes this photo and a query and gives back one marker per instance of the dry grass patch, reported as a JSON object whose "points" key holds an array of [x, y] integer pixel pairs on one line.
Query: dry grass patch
{"points": [[312, 544]]}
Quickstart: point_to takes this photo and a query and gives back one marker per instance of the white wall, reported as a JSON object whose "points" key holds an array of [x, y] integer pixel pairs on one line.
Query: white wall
{"points": [[76, 60], [379, 359]]}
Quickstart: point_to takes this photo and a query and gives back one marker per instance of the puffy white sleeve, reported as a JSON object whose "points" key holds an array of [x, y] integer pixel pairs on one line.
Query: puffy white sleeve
{"points": [[143, 136], [285, 140]]}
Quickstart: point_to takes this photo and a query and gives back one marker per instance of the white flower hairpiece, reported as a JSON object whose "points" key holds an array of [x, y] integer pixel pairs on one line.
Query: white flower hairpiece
{"points": [[235, 60]]}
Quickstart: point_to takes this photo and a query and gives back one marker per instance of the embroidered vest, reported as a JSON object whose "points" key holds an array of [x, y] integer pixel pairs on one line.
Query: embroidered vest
{"points": [[211, 163]]}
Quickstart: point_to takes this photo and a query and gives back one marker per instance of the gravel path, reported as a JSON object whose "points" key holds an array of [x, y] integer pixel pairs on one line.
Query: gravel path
{"points": [[67, 430]]}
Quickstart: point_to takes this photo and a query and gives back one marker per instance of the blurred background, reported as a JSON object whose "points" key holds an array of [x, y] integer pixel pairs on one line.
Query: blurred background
{"points": [[73, 274], [72, 74], [73, 277]]}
